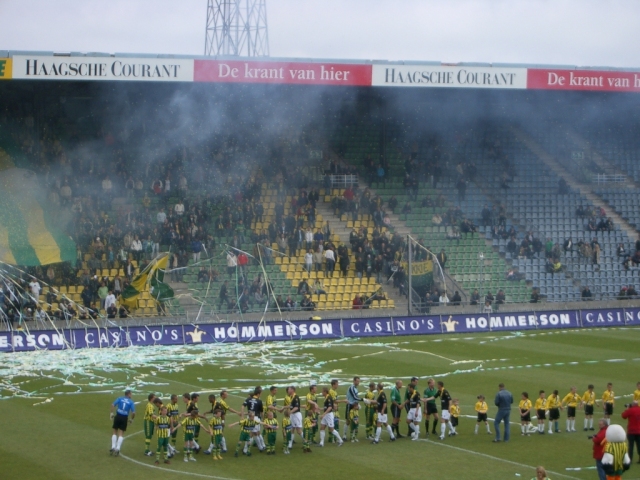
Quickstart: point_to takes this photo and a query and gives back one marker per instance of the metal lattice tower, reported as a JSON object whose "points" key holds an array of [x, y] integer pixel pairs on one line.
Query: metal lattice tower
{"points": [[237, 28]]}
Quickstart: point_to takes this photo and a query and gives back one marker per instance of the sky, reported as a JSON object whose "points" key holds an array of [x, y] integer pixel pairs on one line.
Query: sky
{"points": [[543, 32]]}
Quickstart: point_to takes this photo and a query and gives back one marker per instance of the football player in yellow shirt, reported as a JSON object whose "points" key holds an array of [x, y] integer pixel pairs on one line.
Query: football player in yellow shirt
{"points": [[312, 405], [482, 408], [636, 393], [308, 425], [571, 400], [370, 410], [608, 399], [272, 402], [222, 404], [541, 407], [454, 410], [286, 430], [588, 400], [148, 424], [174, 417], [525, 414], [554, 404], [354, 421]]}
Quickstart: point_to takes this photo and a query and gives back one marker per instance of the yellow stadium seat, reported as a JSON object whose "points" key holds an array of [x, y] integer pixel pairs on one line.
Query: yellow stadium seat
{"points": [[72, 289], [63, 289], [80, 288], [278, 260]]}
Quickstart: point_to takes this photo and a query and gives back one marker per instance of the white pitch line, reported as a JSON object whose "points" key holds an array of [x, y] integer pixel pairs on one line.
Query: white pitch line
{"points": [[166, 469], [494, 458], [426, 353], [179, 472]]}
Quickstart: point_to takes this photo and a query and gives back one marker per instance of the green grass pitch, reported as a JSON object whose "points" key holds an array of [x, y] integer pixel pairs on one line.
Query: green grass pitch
{"points": [[56, 404]]}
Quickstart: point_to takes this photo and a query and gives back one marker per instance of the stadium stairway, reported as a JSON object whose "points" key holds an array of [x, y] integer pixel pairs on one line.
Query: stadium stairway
{"points": [[563, 173], [608, 167], [607, 278], [340, 228], [399, 223]]}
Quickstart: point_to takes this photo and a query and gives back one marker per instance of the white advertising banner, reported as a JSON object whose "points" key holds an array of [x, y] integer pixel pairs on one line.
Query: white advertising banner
{"points": [[102, 68], [390, 75]]}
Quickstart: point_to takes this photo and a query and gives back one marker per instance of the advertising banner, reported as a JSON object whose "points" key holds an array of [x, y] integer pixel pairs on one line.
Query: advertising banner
{"points": [[35, 340], [606, 81], [102, 68], [282, 330], [602, 318], [5, 68], [367, 327], [448, 76], [509, 321], [234, 71], [632, 316]]}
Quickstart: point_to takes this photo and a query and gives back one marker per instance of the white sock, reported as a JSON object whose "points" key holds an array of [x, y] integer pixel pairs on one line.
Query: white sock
{"points": [[344, 429], [568, 425], [477, 425], [322, 434], [119, 444], [224, 444], [488, 427], [195, 445], [378, 432], [586, 422], [443, 428], [262, 444], [337, 435], [572, 424], [541, 427], [411, 428], [521, 428], [114, 441], [416, 428], [452, 429], [591, 422], [211, 446], [390, 430]]}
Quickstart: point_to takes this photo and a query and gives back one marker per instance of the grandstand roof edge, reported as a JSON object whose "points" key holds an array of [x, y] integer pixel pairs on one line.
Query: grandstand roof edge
{"points": [[12, 53]]}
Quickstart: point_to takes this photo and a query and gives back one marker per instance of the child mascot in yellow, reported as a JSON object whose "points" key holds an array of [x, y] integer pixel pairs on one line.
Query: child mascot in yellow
{"points": [[616, 459]]}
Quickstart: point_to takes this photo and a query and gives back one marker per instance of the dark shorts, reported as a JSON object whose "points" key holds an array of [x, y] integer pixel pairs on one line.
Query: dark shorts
{"points": [[454, 421], [571, 412], [120, 422], [541, 414], [608, 408], [482, 417], [432, 409], [525, 418], [396, 411], [554, 414], [588, 409]]}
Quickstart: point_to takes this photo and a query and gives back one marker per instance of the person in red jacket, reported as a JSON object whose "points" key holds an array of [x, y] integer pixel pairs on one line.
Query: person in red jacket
{"points": [[632, 416], [357, 302], [598, 448]]}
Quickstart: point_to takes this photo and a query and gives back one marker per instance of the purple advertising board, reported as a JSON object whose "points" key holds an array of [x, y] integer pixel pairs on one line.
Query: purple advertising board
{"points": [[506, 321], [612, 317], [282, 330]]}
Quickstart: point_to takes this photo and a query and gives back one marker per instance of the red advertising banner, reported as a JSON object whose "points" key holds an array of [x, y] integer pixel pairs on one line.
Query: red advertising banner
{"points": [[593, 80], [234, 71]]}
